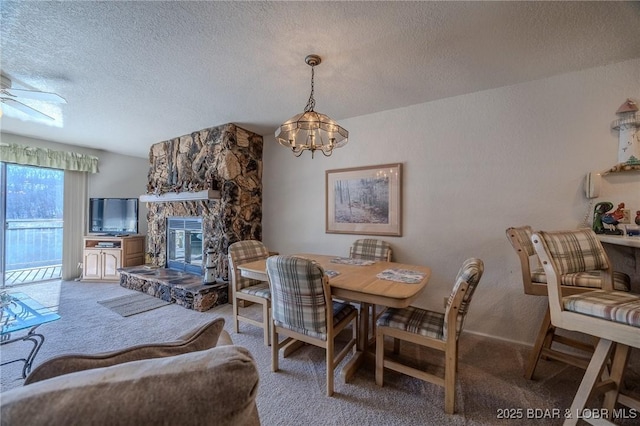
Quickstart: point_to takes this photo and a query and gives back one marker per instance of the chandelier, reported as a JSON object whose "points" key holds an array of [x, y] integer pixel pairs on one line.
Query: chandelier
{"points": [[311, 130]]}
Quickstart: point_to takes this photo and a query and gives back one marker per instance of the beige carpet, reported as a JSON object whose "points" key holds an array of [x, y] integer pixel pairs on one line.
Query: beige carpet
{"points": [[490, 371]]}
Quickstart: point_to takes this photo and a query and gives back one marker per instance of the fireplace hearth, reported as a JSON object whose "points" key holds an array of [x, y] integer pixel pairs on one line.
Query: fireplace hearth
{"points": [[182, 288]]}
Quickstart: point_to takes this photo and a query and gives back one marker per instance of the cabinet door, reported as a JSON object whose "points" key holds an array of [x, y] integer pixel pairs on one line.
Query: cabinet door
{"points": [[91, 267], [110, 264], [132, 251]]}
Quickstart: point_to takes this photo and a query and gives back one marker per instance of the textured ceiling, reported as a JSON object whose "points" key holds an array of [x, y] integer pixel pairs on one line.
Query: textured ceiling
{"points": [[136, 73]]}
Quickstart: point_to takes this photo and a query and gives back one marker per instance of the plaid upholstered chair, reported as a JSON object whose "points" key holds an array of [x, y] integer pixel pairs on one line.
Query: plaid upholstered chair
{"points": [[611, 316], [534, 281], [251, 290], [370, 249], [431, 329], [302, 309]]}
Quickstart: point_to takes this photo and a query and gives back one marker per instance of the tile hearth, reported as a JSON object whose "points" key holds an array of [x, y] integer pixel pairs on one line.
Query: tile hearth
{"points": [[182, 288]]}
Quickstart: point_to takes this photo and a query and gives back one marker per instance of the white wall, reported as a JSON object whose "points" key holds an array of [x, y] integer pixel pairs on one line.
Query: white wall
{"points": [[473, 165], [119, 176]]}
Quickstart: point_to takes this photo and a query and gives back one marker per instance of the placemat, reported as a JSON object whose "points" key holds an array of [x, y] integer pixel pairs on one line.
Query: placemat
{"points": [[350, 261], [401, 275], [331, 273]]}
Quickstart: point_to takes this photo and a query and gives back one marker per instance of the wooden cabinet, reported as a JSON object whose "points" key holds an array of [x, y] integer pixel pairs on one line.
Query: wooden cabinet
{"points": [[104, 255]]}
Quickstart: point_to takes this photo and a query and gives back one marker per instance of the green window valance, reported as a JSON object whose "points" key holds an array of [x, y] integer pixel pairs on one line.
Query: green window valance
{"points": [[12, 153]]}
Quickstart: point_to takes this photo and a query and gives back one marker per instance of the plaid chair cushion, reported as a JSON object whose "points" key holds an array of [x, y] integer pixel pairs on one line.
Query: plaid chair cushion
{"points": [[243, 252], [414, 320], [591, 279], [297, 296], [260, 290], [610, 305], [576, 251], [470, 272], [370, 249]]}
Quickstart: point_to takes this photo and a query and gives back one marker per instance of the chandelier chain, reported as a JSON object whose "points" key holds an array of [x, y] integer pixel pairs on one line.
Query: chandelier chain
{"points": [[311, 103]]}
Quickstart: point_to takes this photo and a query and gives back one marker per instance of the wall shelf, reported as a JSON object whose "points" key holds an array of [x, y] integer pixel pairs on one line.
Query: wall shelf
{"points": [[622, 168]]}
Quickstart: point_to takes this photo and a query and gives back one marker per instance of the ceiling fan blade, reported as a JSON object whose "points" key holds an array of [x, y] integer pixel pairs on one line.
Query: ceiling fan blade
{"points": [[35, 95], [12, 103]]}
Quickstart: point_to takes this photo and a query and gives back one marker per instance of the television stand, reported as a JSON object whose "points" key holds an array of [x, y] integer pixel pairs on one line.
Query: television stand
{"points": [[103, 255]]}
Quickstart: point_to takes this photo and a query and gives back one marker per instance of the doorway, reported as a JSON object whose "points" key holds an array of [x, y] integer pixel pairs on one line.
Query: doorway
{"points": [[31, 210]]}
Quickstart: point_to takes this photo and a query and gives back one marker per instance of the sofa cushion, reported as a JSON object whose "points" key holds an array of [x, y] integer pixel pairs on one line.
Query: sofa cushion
{"points": [[214, 386], [201, 338]]}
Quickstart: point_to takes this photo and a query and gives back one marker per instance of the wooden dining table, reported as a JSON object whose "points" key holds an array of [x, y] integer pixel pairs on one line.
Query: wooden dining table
{"points": [[358, 283]]}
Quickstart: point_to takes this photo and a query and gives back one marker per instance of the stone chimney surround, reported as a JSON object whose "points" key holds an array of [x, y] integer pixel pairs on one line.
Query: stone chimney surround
{"points": [[215, 174]]}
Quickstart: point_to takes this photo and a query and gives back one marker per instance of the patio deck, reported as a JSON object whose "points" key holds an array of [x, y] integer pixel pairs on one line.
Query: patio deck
{"points": [[29, 275]]}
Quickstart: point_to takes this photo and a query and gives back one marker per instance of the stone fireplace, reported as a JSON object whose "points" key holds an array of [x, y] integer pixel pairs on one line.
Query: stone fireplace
{"points": [[213, 176]]}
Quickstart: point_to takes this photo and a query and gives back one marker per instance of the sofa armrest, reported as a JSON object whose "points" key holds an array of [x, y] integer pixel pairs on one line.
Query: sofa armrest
{"points": [[204, 337], [224, 339]]}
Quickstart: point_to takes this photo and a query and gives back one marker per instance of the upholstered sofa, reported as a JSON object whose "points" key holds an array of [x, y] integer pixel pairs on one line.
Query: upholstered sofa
{"points": [[202, 378]]}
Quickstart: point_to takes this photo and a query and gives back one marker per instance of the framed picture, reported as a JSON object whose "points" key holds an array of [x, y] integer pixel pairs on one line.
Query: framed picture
{"points": [[365, 200]]}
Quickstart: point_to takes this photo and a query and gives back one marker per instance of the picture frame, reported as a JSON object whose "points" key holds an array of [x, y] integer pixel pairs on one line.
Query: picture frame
{"points": [[364, 200]]}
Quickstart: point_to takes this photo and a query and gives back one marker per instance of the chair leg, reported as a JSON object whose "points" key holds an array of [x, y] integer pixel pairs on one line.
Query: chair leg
{"points": [[274, 347], [450, 366], [548, 341], [379, 356], [618, 366], [236, 327], [355, 333], [265, 323], [590, 379], [396, 346], [329, 356], [539, 344]]}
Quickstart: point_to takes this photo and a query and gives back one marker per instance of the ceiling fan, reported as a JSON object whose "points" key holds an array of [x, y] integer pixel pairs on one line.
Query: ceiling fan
{"points": [[10, 97]]}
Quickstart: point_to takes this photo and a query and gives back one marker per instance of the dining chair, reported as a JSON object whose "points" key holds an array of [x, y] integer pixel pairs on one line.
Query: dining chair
{"points": [[302, 309], [247, 289], [370, 249], [534, 281], [609, 315], [431, 329]]}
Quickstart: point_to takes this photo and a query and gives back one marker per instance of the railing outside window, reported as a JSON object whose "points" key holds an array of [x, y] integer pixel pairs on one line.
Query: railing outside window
{"points": [[33, 243]]}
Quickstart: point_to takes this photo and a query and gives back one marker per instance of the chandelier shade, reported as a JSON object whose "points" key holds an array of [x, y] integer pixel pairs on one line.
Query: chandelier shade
{"points": [[311, 130]]}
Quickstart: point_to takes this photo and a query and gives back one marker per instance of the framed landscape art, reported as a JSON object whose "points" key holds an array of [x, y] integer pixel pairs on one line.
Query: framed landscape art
{"points": [[364, 200]]}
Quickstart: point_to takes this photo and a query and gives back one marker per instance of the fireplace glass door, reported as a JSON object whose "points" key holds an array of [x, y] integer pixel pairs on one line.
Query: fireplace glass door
{"points": [[184, 249]]}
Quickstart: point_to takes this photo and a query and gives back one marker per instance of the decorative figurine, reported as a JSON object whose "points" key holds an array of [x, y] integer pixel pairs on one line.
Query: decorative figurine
{"points": [[638, 218], [606, 223], [629, 138], [210, 268], [618, 214]]}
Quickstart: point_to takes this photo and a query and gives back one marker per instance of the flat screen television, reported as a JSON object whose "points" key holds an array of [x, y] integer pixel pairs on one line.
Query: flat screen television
{"points": [[113, 216]]}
